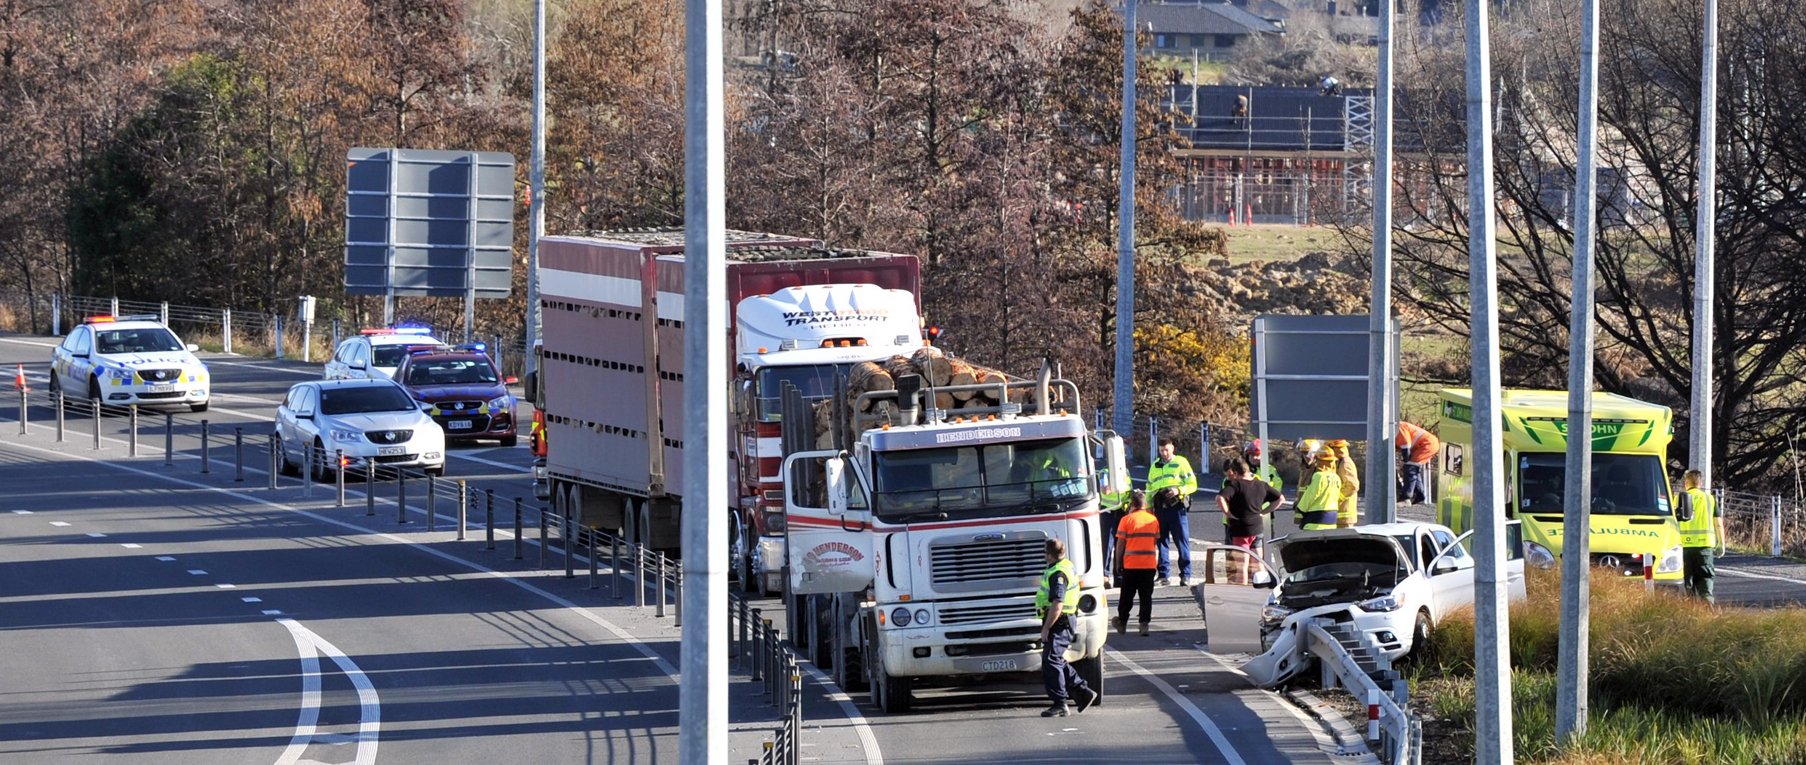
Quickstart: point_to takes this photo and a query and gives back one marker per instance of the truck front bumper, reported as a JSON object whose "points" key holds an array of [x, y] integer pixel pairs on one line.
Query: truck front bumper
{"points": [[1012, 646]]}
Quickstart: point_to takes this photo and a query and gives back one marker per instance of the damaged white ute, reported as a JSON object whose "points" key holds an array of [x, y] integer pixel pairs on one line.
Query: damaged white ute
{"points": [[1394, 582]]}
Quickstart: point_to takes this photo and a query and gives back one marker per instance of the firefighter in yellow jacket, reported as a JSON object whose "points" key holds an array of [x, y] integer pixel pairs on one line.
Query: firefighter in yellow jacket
{"points": [[1318, 500], [1350, 483]]}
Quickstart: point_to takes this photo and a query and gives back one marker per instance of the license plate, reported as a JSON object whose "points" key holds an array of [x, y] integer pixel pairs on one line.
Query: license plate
{"points": [[391, 451], [458, 424], [165, 388], [1001, 665]]}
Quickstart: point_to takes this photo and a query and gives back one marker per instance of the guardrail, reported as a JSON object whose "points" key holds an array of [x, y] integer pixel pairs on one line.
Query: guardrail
{"points": [[1396, 733], [656, 579]]}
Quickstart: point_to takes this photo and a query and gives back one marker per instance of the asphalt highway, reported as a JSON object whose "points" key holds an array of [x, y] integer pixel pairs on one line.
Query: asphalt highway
{"points": [[158, 612]]}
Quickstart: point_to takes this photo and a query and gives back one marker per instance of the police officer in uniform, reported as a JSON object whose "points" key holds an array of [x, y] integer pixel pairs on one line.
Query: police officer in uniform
{"points": [[1171, 483], [1702, 535], [1057, 603]]}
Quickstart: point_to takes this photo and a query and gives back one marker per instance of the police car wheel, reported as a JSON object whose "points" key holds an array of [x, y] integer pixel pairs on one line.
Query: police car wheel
{"points": [[197, 407], [510, 441]]}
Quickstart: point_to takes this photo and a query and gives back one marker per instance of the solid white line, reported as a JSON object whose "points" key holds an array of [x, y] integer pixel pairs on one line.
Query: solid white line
{"points": [[1754, 575], [267, 368], [21, 512], [38, 343], [868, 740], [1230, 755], [309, 717]]}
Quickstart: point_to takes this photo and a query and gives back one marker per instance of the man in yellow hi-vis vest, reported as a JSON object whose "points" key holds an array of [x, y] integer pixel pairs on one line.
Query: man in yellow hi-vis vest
{"points": [[1170, 485], [1701, 523], [1057, 603]]}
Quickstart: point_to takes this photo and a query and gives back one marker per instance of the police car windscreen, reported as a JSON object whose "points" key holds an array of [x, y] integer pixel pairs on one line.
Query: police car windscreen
{"points": [[371, 398], [1623, 484], [451, 372], [144, 340]]}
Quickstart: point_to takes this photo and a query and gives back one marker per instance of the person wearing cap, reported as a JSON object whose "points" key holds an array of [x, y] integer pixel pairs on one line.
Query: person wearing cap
{"points": [[1171, 483], [1319, 499], [1349, 480], [1258, 469], [1416, 448]]}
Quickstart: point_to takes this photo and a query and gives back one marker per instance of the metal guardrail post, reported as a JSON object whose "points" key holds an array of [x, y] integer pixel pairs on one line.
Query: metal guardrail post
{"points": [[131, 443], [518, 542], [488, 518], [269, 449], [463, 507], [592, 560], [614, 564], [338, 473], [238, 447], [96, 403], [169, 435], [639, 575], [677, 604], [225, 322], [1774, 526], [57, 402], [401, 495], [755, 656], [564, 534], [307, 469], [542, 537], [369, 488], [745, 631], [24, 410], [432, 502], [660, 583], [206, 435]]}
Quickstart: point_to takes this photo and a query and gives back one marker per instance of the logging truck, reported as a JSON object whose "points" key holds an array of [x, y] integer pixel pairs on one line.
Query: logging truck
{"points": [[919, 501], [610, 387]]}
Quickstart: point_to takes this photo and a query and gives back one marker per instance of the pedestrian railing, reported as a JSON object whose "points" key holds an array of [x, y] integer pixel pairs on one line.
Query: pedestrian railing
{"points": [[426, 500]]}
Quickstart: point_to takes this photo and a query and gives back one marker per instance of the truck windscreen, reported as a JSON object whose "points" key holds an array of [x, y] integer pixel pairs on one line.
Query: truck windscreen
{"points": [[816, 381], [1623, 484], [983, 480]]}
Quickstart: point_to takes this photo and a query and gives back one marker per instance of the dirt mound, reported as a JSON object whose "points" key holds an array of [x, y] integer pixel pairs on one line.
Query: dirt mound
{"points": [[1316, 283]]}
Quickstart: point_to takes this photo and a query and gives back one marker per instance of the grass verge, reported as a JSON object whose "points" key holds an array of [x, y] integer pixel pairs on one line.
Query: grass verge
{"points": [[1672, 680]]}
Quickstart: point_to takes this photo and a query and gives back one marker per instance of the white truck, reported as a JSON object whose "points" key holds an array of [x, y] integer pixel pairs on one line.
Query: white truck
{"points": [[916, 546]]}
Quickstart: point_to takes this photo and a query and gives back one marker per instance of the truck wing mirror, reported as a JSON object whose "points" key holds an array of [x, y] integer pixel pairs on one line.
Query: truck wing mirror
{"points": [[1116, 465], [834, 470]]}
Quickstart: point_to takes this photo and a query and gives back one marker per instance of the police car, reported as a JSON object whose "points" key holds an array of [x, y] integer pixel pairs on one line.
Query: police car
{"points": [[373, 354], [460, 389], [128, 360]]}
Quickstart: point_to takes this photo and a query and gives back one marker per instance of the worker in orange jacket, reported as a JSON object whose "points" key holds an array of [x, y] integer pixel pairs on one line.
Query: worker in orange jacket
{"points": [[1136, 561], [1416, 448]]}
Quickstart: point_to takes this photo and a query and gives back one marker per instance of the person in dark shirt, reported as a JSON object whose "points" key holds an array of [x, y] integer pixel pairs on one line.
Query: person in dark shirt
{"points": [[1244, 501]]}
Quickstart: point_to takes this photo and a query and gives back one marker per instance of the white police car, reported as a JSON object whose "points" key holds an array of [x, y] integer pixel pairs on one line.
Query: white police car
{"points": [[128, 360], [373, 354]]}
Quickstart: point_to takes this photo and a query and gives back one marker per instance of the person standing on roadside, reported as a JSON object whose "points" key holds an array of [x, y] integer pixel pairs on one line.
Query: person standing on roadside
{"points": [[1318, 500], [1256, 469], [1057, 603], [1245, 501], [1702, 535], [1171, 483], [1136, 535], [1349, 482], [1416, 448], [1113, 507]]}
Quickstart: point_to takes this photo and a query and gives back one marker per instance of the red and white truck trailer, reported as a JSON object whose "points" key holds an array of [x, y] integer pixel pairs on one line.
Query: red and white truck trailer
{"points": [[610, 387]]}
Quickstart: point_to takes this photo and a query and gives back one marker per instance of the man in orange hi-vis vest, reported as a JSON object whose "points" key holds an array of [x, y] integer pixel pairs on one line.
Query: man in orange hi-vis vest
{"points": [[1136, 561]]}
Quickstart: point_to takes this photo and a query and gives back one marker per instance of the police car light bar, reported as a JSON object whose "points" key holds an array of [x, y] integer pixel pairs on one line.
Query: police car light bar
{"points": [[99, 320], [397, 331], [472, 347]]}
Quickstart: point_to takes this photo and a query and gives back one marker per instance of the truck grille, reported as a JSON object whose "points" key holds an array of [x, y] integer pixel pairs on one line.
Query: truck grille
{"points": [[994, 612], [962, 564]]}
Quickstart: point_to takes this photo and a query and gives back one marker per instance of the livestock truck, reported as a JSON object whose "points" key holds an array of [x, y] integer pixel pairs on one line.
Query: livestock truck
{"points": [[610, 388], [1631, 517], [917, 538]]}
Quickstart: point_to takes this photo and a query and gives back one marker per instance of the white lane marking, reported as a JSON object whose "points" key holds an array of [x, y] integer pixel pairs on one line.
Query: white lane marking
{"points": [[21, 512], [132, 546], [38, 343], [511, 468], [1754, 575], [309, 718], [252, 600], [227, 586], [96, 534], [59, 524], [369, 727], [873, 756], [1230, 755], [1312, 726], [272, 612], [197, 572], [165, 558], [267, 367]]}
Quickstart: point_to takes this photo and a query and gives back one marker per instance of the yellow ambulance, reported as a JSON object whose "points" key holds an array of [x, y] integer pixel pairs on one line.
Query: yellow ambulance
{"points": [[1631, 516]]}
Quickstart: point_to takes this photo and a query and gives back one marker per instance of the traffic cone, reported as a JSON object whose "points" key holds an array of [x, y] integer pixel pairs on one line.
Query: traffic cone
{"points": [[19, 380]]}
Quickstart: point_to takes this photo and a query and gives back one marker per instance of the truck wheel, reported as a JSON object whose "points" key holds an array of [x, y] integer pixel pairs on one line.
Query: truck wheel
{"points": [[849, 671], [821, 644], [891, 694], [1092, 670]]}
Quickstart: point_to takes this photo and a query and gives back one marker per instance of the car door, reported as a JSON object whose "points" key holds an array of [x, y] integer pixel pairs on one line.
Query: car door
{"points": [[306, 419], [80, 364], [1453, 586], [335, 366], [285, 422], [360, 361]]}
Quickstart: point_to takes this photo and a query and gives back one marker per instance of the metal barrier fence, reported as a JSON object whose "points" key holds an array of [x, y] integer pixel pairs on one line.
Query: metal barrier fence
{"points": [[1765, 523], [224, 453]]}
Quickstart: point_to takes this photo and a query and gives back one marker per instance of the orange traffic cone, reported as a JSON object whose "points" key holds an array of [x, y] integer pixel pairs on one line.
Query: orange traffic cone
{"points": [[19, 380]]}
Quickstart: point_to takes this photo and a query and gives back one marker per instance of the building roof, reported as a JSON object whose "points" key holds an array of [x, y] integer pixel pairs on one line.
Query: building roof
{"points": [[1202, 19]]}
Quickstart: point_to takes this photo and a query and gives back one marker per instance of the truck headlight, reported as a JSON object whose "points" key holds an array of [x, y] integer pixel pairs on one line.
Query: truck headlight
{"points": [[1671, 560], [1538, 555], [921, 616], [1381, 604], [899, 617]]}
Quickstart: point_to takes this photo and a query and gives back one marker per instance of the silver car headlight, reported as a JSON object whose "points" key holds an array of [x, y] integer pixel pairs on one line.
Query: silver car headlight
{"points": [[1538, 555], [1274, 613], [342, 434], [1381, 604], [504, 401], [1671, 560]]}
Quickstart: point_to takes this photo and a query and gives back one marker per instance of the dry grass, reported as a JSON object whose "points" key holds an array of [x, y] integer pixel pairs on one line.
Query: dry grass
{"points": [[1272, 242]]}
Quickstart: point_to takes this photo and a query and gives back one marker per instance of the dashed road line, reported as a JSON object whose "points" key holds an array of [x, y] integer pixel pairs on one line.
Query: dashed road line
{"points": [[197, 572]]}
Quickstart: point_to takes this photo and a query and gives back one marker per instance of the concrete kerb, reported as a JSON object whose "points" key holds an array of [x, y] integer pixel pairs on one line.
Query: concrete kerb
{"points": [[1339, 736]]}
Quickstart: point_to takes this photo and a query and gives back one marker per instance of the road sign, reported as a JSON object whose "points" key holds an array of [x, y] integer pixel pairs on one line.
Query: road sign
{"points": [[429, 223], [1311, 374]]}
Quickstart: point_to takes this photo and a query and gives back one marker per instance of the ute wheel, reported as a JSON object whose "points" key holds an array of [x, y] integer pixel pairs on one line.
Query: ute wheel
{"points": [[283, 465], [1092, 671], [510, 441], [197, 407]]}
